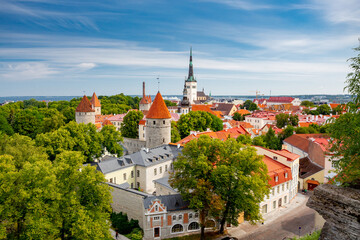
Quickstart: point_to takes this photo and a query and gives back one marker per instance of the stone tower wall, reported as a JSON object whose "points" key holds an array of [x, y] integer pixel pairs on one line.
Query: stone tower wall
{"points": [[85, 117], [157, 132], [97, 110], [145, 107], [192, 91]]}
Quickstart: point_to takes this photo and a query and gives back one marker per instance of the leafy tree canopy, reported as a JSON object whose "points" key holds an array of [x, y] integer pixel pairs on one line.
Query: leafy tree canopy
{"points": [[130, 125]]}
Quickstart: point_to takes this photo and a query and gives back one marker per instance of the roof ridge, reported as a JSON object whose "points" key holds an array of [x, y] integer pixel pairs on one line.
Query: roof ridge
{"points": [[84, 105]]}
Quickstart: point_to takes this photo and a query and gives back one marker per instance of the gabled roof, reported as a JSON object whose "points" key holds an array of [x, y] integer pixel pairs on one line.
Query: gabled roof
{"points": [[202, 107], [95, 101], [107, 122], [308, 168], [84, 105], [302, 141], [145, 100], [158, 109], [172, 202], [277, 169]]}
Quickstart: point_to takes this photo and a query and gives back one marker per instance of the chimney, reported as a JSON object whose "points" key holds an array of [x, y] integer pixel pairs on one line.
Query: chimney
{"points": [[143, 89], [284, 146]]}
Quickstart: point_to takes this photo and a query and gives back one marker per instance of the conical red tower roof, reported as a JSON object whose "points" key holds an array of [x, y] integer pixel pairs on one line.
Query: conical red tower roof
{"points": [[84, 105], [95, 101], [158, 108]]}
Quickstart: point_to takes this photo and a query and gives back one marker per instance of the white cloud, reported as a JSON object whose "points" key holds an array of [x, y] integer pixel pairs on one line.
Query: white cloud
{"points": [[25, 71], [242, 4], [86, 65]]}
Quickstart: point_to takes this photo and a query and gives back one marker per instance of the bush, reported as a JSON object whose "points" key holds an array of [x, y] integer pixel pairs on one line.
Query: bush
{"points": [[314, 236], [121, 223], [136, 234]]}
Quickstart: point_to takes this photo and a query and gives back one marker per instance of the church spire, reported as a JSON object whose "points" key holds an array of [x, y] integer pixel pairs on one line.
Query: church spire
{"points": [[191, 70]]}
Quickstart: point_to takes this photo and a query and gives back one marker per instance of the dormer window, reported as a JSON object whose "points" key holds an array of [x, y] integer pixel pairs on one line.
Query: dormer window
{"points": [[276, 179], [286, 175], [275, 157]]}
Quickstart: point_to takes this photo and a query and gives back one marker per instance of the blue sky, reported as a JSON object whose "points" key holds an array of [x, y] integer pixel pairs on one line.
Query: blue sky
{"points": [[53, 47]]}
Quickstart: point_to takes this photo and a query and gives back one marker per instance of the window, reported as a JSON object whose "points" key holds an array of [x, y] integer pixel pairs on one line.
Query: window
{"points": [[124, 176], [171, 166], [264, 209], [278, 189], [164, 122], [114, 179], [155, 171], [274, 204], [160, 169], [177, 228], [286, 175], [287, 186], [154, 122], [193, 226], [132, 174], [196, 215], [138, 173], [285, 199], [165, 168], [156, 218], [174, 217], [275, 157], [132, 185], [273, 191], [283, 187], [190, 215], [111, 180], [156, 208], [138, 185], [180, 217], [276, 179]]}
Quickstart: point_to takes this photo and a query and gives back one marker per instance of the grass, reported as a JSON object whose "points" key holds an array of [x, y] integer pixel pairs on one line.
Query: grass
{"points": [[314, 236]]}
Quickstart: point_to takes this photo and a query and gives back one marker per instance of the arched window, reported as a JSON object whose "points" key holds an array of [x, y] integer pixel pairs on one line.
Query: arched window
{"points": [[193, 226], [177, 228], [209, 224]]}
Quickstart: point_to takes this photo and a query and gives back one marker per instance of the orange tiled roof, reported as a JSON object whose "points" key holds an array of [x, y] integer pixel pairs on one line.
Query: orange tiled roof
{"points": [[107, 122], [98, 125], [145, 100], [101, 118], [95, 101], [158, 109], [84, 105], [142, 122], [305, 124], [334, 105], [277, 169], [202, 107], [243, 111], [219, 114], [222, 135]]}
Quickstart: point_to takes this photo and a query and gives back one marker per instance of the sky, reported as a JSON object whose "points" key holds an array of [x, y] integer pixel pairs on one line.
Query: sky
{"points": [[282, 47]]}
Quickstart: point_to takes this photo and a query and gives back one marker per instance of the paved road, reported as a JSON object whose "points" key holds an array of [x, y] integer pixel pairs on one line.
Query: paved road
{"points": [[281, 225]]}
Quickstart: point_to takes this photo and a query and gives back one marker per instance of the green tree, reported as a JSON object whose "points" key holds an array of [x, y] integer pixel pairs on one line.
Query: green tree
{"points": [[237, 117], [111, 139], [169, 103], [130, 125], [5, 127], [259, 141], [175, 135], [287, 132], [324, 109], [193, 174], [294, 120], [271, 140], [198, 121], [240, 179], [282, 119], [345, 132], [244, 139], [307, 103], [28, 122]]}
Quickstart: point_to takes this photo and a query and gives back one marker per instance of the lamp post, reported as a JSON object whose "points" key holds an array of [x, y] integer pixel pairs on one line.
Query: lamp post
{"points": [[299, 231]]}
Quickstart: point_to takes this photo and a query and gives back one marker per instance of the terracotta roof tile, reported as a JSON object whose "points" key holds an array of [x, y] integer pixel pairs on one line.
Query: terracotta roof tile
{"points": [[145, 100], [301, 141], [107, 122], [95, 101], [243, 111], [158, 109], [84, 105], [281, 99], [277, 169]]}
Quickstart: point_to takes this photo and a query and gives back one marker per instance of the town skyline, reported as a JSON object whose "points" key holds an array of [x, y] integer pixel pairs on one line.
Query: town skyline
{"points": [[64, 48]]}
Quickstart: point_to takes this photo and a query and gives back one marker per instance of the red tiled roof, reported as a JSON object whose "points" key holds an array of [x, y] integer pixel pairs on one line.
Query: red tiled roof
{"points": [[84, 105], [98, 125], [95, 101], [281, 99], [142, 122], [101, 118], [158, 109], [202, 107], [301, 141], [334, 105], [277, 169]]}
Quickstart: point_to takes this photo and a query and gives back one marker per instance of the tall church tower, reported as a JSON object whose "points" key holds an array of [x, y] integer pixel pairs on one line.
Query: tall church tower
{"points": [[158, 124], [190, 83]]}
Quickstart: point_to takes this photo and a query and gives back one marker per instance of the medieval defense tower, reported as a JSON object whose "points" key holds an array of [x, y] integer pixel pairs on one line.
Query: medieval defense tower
{"points": [[158, 124], [84, 112], [145, 102], [95, 104]]}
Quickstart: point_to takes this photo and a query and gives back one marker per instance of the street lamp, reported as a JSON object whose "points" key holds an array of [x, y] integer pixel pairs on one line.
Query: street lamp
{"points": [[299, 231]]}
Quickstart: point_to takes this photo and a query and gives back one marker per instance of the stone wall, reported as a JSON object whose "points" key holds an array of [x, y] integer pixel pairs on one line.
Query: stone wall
{"points": [[340, 207], [133, 145], [157, 132]]}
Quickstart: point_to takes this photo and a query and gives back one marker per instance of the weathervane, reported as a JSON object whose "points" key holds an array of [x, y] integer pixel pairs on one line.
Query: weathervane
{"points": [[158, 79]]}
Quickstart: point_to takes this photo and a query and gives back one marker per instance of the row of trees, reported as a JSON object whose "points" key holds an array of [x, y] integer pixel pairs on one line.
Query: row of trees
{"points": [[221, 179]]}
